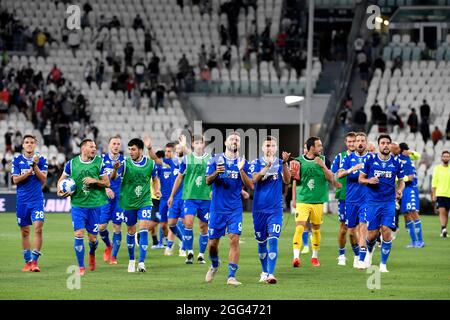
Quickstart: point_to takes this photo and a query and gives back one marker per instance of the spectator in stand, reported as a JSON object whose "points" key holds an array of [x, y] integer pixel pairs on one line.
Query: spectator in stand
{"points": [[379, 64], [447, 130], [128, 51], [202, 56], [139, 71], [425, 131], [382, 123], [130, 85], [147, 41], [224, 38], [138, 23], [87, 7], [183, 69], [153, 67], [99, 72], [160, 92], [413, 121], [18, 142], [226, 58], [425, 112], [47, 133], [212, 62], [102, 22], [115, 23], [376, 112], [393, 117], [88, 73], [55, 75], [40, 42], [436, 135], [52, 172], [136, 102], [8, 139], [397, 63], [360, 120], [74, 41], [7, 165], [363, 69]]}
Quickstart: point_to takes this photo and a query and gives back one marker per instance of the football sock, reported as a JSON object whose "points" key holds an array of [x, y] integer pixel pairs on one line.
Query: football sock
{"points": [[370, 245], [203, 242], [79, 251], [411, 231], [155, 240], [105, 237], [176, 231], [342, 251], [27, 255], [130, 244], [232, 268], [385, 250], [362, 253], [35, 254], [117, 239], [418, 229], [214, 261], [169, 244], [316, 240], [188, 239], [143, 244], [92, 247], [355, 249], [262, 254], [161, 236], [305, 237], [272, 254], [297, 241]]}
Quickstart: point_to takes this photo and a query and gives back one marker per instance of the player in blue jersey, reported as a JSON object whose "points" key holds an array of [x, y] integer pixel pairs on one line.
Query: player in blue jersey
{"points": [[355, 204], [410, 203], [29, 173], [379, 174], [341, 196], [227, 173], [112, 211], [269, 173], [175, 212]]}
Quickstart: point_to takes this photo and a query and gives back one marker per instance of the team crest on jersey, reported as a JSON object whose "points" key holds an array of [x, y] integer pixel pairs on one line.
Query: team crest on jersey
{"points": [[138, 191], [166, 175], [198, 181], [383, 164], [311, 184]]}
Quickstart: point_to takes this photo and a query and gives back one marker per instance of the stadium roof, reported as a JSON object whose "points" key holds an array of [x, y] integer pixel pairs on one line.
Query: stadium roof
{"points": [[419, 14]]}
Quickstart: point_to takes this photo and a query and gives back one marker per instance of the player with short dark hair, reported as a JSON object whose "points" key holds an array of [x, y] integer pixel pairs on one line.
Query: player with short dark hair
{"points": [[137, 172], [227, 173], [196, 197], [112, 211], [341, 196], [269, 173], [355, 203], [29, 173], [379, 175], [440, 185], [312, 192], [89, 197]]}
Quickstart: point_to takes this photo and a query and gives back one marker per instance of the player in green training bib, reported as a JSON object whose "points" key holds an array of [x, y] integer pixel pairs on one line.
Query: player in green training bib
{"points": [[311, 193], [196, 196], [137, 172], [91, 179]]}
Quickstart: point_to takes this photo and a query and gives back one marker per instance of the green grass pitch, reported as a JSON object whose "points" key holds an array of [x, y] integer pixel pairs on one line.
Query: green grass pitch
{"points": [[414, 273]]}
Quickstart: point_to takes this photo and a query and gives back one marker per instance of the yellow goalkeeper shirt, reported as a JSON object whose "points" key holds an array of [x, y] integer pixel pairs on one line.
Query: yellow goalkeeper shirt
{"points": [[441, 181]]}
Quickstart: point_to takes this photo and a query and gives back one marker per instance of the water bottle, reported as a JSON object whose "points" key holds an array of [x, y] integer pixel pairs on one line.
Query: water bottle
{"points": [[221, 162]]}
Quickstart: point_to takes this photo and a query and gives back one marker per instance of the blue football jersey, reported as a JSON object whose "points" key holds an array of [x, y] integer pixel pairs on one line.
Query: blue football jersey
{"points": [[227, 187], [268, 191], [409, 169], [356, 192], [338, 161], [29, 190], [386, 172], [108, 162], [167, 175]]}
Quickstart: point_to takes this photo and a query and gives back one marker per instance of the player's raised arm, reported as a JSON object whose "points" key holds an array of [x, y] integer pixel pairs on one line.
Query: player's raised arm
{"points": [[328, 174], [347, 169], [40, 168], [148, 144], [286, 171], [183, 143], [242, 166], [114, 173], [257, 172]]}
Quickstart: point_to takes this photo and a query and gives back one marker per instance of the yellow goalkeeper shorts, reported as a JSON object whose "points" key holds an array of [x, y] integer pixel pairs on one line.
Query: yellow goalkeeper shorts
{"points": [[312, 211]]}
